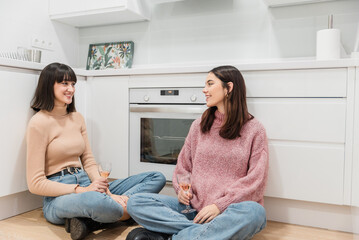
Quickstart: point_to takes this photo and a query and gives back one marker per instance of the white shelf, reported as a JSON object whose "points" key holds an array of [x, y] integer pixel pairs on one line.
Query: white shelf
{"points": [[164, 1], [87, 13], [282, 3]]}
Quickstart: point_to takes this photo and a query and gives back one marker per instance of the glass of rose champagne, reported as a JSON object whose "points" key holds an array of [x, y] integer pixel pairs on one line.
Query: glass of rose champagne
{"points": [[104, 169], [184, 181]]}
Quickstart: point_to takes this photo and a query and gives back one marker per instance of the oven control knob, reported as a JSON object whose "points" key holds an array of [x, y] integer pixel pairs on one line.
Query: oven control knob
{"points": [[146, 98], [193, 98]]}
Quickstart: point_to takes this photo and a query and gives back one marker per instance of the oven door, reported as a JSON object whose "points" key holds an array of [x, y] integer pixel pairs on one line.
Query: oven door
{"points": [[157, 135]]}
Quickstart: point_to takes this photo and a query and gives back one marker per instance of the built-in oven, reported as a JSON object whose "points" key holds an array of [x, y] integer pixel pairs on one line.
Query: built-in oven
{"points": [[160, 119]]}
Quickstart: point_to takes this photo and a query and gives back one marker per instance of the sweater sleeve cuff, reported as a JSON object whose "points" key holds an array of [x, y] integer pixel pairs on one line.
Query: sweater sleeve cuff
{"points": [[222, 205]]}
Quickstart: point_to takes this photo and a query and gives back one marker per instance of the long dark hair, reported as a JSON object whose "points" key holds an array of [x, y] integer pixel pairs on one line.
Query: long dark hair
{"points": [[44, 98], [235, 104]]}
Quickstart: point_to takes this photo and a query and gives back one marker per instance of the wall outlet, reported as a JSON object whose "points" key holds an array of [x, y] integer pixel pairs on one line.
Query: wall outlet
{"points": [[41, 43]]}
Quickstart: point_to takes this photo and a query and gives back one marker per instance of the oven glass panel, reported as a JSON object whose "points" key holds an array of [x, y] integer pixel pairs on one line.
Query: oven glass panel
{"points": [[162, 139]]}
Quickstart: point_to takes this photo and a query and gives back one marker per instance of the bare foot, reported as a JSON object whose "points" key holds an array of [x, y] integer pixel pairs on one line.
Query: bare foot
{"points": [[125, 215], [122, 200]]}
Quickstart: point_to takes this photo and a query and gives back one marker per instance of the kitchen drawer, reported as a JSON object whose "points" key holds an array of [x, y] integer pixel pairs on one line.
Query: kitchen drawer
{"points": [[301, 119], [168, 80], [274, 83], [296, 83], [306, 171]]}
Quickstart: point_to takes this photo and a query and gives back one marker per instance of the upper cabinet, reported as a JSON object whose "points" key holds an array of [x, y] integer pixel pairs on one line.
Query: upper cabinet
{"points": [[87, 13], [282, 3]]}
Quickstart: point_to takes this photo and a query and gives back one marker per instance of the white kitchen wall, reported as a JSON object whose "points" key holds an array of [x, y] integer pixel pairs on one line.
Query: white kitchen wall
{"points": [[186, 31], [221, 31], [21, 20]]}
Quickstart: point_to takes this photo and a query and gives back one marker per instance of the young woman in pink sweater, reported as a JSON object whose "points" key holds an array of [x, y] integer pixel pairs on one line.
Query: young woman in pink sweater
{"points": [[226, 156]]}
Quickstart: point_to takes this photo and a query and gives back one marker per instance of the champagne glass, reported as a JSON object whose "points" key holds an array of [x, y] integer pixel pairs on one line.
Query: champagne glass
{"points": [[184, 181], [104, 169]]}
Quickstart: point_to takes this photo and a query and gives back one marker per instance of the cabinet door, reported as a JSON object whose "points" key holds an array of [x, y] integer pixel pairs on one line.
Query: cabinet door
{"points": [[306, 152], [308, 120], [355, 169], [297, 83], [87, 13], [107, 121], [304, 113], [18, 90]]}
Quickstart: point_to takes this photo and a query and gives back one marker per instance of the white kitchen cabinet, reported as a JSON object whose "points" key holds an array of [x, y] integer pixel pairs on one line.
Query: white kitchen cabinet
{"points": [[299, 108], [86, 13], [18, 90], [168, 80], [306, 152], [306, 171], [355, 166], [282, 3], [107, 121], [301, 83], [305, 120]]}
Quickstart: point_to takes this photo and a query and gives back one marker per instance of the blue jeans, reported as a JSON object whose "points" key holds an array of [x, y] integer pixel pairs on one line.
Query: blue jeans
{"points": [[162, 213], [98, 206]]}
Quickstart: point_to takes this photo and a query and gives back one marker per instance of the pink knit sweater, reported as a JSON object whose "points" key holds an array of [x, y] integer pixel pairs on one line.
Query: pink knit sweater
{"points": [[224, 171]]}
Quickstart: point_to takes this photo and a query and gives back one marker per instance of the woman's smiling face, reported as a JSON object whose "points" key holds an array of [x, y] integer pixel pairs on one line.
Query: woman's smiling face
{"points": [[64, 92], [215, 92]]}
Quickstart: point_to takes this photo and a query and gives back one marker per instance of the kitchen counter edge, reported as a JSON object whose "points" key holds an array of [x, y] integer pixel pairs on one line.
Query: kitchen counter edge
{"points": [[195, 67]]}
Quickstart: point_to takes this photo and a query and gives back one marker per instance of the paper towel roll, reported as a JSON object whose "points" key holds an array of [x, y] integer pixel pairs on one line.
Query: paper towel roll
{"points": [[328, 44]]}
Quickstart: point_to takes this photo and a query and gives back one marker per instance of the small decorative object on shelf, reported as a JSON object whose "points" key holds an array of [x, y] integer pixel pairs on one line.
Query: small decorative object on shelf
{"points": [[328, 42], [110, 55], [32, 55]]}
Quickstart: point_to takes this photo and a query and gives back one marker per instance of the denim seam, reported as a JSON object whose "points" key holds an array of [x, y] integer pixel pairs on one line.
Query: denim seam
{"points": [[171, 212], [142, 184], [204, 230]]}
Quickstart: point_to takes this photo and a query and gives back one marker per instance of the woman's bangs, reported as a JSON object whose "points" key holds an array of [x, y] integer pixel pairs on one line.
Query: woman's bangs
{"points": [[65, 75]]}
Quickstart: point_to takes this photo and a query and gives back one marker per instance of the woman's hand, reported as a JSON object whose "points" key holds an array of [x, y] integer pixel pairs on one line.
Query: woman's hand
{"points": [[121, 199], [98, 185], [207, 214], [184, 197]]}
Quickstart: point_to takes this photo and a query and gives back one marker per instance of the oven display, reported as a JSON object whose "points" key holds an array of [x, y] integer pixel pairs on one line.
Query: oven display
{"points": [[169, 92]]}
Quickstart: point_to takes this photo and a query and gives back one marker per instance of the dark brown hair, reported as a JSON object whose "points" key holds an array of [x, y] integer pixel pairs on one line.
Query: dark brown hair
{"points": [[44, 98], [235, 104]]}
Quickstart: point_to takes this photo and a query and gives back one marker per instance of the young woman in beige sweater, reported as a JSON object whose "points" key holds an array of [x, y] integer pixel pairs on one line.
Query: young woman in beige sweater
{"points": [[62, 168]]}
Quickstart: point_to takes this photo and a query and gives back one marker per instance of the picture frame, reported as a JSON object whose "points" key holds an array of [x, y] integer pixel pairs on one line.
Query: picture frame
{"points": [[113, 55]]}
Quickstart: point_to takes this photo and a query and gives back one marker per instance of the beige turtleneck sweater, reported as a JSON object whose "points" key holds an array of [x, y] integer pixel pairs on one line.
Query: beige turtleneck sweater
{"points": [[56, 140]]}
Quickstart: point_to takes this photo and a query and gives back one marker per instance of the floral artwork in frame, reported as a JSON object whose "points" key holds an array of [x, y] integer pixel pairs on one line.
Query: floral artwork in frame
{"points": [[110, 55]]}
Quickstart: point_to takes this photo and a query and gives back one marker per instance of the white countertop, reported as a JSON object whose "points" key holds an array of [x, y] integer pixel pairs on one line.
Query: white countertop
{"points": [[248, 65]]}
